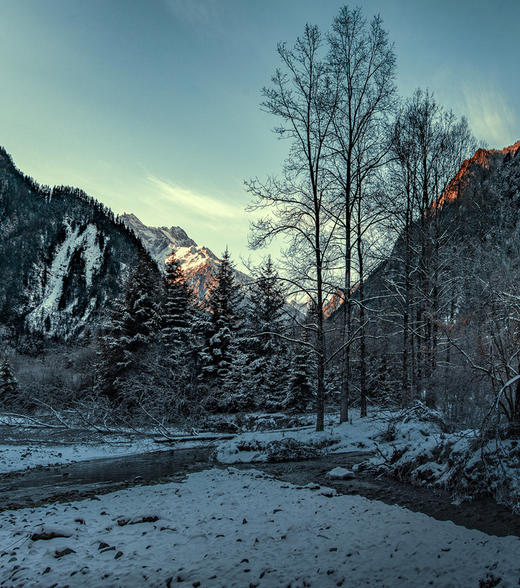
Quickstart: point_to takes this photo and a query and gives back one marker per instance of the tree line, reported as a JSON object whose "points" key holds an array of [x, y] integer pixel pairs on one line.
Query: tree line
{"points": [[165, 353], [376, 247]]}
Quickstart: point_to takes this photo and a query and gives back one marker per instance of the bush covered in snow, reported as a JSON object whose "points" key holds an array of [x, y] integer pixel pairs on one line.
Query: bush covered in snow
{"points": [[416, 449], [248, 448]]}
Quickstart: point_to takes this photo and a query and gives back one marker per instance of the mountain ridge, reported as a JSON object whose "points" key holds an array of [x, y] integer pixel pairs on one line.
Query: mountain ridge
{"points": [[482, 160]]}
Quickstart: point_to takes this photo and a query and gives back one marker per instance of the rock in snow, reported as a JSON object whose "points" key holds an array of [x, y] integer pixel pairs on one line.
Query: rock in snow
{"points": [[340, 474]]}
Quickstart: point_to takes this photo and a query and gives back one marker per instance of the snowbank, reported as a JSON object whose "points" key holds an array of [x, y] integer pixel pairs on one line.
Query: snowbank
{"points": [[303, 442], [458, 462], [235, 528], [412, 446]]}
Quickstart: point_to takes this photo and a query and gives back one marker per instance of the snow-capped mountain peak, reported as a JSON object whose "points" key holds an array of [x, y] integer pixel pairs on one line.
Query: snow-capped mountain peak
{"points": [[199, 263]]}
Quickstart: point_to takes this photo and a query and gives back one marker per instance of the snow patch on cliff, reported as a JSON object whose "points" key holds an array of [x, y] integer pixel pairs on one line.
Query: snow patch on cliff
{"points": [[50, 282]]}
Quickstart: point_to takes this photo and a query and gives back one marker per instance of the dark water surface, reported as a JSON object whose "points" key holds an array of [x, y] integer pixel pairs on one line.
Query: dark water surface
{"points": [[77, 480]]}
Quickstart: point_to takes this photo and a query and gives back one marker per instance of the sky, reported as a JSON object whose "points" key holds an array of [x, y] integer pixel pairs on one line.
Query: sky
{"points": [[152, 106]]}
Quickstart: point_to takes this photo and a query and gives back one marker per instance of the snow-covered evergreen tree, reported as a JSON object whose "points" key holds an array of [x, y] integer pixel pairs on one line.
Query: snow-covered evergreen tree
{"points": [[172, 378], [134, 320], [175, 307], [268, 351], [221, 334], [301, 375], [299, 391], [8, 384]]}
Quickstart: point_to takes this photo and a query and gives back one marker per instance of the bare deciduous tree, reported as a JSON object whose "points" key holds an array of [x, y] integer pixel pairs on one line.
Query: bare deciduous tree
{"points": [[303, 97], [363, 63], [429, 145]]}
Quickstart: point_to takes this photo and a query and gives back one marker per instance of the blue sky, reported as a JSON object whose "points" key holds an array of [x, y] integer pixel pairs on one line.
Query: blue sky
{"points": [[152, 106]]}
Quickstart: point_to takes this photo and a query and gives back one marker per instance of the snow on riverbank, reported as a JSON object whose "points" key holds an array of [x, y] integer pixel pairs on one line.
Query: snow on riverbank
{"points": [[460, 462], [411, 445], [23, 447], [258, 446], [33, 454], [242, 528]]}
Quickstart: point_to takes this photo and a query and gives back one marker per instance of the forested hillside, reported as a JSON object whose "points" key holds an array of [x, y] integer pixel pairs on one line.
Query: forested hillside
{"points": [[62, 256]]}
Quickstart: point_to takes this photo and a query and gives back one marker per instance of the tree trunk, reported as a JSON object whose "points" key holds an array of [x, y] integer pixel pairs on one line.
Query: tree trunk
{"points": [[320, 356], [362, 341], [405, 394], [320, 334], [347, 314]]}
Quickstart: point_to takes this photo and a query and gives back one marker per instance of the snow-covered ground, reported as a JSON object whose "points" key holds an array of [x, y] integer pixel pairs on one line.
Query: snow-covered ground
{"points": [[410, 445], [243, 528]]}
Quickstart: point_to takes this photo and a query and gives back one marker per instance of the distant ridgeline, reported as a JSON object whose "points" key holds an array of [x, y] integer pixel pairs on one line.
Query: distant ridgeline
{"points": [[62, 256]]}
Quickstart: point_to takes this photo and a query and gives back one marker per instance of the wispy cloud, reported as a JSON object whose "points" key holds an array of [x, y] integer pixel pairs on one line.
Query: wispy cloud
{"points": [[195, 13], [190, 202], [490, 116]]}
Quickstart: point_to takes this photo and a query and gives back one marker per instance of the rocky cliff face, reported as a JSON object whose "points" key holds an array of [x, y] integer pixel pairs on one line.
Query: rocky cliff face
{"points": [[469, 184], [62, 256]]}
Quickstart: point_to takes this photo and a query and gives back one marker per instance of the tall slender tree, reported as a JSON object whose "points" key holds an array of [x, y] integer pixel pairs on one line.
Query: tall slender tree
{"points": [[429, 145], [363, 62], [303, 97]]}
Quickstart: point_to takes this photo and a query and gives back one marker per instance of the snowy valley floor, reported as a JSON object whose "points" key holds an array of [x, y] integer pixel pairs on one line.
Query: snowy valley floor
{"points": [[240, 527], [228, 527]]}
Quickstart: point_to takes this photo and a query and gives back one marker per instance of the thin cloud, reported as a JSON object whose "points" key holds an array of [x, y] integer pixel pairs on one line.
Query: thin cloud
{"points": [[490, 116], [195, 13], [192, 202]]}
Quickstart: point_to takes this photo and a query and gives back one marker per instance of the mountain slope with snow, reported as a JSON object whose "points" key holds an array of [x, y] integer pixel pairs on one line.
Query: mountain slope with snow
{"points": [[62, 256]]}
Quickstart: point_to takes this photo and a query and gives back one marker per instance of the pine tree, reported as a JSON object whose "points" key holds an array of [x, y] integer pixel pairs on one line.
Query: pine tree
{"points": [[267, 298], [299, 391], [175, 308], [175, 361], [133, 323], [8, 384], [221, 336], [267, 349]]}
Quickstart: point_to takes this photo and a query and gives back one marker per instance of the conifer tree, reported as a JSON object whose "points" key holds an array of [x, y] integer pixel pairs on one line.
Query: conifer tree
{"points": [[133, 322], [170, 381], [299, 391], [267, 296], [267, 349], [221, 345], [8, 384], [175, 307]]}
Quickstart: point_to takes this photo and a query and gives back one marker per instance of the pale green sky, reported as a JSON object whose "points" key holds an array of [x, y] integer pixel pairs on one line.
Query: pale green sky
{"points": [[152, 106]]}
